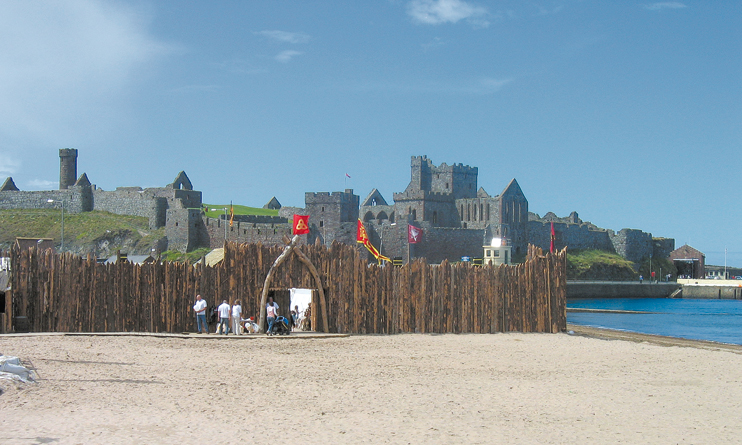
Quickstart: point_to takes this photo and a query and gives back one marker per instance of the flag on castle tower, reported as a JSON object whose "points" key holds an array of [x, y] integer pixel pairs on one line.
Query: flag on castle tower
{"points": [[347, 175], [553, 238], [414, 234], [231, 214], [362, 237], [301, 224]]}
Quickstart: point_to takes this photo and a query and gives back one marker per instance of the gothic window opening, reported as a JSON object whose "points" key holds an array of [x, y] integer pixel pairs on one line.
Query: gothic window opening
{"points": [[414, 214], [435, 217]]}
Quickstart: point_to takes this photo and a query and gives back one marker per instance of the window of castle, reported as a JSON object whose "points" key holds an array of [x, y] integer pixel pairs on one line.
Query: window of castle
{"points": [[321, 223], [414, 214], [323, 209], [446, 186], [481, 211], [435, 217], [475, 212], [488, 212]]}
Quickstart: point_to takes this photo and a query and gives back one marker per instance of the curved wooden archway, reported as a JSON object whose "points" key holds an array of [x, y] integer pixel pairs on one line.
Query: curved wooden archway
{"points": [[313, 270]]}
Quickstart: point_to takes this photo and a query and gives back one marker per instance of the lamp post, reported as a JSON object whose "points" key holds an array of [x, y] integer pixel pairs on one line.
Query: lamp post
{"points": [[225, 221], [63, 202]]}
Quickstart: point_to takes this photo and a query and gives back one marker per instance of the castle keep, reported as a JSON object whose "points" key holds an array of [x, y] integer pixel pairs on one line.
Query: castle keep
{"points": [[457, 216]]}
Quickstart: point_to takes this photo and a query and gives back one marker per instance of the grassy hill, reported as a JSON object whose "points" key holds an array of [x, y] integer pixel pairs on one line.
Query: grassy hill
{"points": [[215, 210], [598, 265], [100, 233]]}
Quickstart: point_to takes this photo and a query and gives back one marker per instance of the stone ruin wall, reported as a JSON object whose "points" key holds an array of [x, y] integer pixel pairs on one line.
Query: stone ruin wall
{"points": [[76, 199], [574, 236]]}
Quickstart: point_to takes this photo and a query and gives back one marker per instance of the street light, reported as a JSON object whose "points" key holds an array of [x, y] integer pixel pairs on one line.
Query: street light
{"points": [[63, 201], [225, 221]]}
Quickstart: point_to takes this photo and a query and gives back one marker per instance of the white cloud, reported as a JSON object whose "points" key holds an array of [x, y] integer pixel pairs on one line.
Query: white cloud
{"points": [[41, 184], [436, 12], [8, 164], [664, 5], [65, 65], [286, 56], [476, 86], [285, 36]]}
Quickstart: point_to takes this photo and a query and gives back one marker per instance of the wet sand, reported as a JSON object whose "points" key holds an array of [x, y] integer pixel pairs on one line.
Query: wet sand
{"points": [[592, 387]]}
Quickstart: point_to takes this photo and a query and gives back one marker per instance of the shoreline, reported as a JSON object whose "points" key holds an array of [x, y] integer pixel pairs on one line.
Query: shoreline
{"points": [[661, 340]]}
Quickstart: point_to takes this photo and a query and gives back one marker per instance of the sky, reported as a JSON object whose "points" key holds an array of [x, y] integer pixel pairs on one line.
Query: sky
{"points": [[629, 113]]}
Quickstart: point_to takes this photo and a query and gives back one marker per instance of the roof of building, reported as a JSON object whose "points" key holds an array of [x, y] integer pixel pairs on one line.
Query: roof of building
{"points": [[8, 185], [686, 252], [374, 198], [272, 204]]}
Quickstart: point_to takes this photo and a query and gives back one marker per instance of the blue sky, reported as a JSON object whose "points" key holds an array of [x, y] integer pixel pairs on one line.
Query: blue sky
{"points": [[629, 113]]}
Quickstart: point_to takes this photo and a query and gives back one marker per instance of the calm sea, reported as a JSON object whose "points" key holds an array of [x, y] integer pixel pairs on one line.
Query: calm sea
{"points": [[714, 320]]}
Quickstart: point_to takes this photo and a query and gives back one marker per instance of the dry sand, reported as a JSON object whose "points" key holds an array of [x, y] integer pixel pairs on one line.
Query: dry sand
{"points": [[489, 389]]}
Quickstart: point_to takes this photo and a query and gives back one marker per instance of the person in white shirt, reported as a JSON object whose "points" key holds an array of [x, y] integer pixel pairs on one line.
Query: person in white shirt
{"points": [[271, 312], [236, 317], [224, 317], [200, 309]]}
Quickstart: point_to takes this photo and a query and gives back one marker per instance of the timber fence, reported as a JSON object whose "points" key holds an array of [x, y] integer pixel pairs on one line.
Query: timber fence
{"points": [[66, 293]]}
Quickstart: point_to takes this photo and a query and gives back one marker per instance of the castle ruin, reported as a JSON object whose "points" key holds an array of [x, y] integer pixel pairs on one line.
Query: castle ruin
{"points": [[457, 216]]}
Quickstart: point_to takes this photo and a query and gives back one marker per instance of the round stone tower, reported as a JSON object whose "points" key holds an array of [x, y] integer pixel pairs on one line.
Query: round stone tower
{"points": [[67, 167]]}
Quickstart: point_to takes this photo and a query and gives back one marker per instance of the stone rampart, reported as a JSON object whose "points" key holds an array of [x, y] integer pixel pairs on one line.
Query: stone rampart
{"points": [[572, 236], [213, 231], [632, 244], [75, 199]]}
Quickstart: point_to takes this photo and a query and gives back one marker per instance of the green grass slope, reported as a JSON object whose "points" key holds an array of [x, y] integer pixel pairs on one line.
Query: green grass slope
{"points": [[598, 265], [215, 210], [100, 233]]}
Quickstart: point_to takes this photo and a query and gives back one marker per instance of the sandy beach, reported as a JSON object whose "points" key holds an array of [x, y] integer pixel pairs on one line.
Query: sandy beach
{"points": [[501, 388]]}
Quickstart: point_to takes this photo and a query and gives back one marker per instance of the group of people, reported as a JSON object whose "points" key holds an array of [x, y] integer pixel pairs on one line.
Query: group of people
{"points": [[234, 313], [225, 312]]}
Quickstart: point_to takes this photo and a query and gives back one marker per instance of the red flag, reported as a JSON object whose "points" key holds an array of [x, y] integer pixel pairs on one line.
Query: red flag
{"points": [[414, 234], [553, 237], [301, 224]]}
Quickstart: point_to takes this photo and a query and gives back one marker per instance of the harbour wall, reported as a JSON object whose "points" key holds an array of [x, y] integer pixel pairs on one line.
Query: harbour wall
{"points": [[619, 289], [712, 289]]}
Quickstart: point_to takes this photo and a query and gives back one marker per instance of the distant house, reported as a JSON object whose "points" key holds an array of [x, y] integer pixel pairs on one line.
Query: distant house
{"points": [[690, 262], [273, 204], [41, 243]]}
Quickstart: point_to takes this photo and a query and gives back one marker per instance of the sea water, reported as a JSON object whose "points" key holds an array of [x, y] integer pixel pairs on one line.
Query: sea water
{"points": [[713, 320]]}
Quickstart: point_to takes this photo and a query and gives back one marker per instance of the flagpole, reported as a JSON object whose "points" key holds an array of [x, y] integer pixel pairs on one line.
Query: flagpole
{"points": [[409, 257]]}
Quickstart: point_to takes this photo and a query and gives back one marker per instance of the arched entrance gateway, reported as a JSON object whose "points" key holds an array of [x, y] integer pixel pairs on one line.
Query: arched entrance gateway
{"points": [[283, 297]]}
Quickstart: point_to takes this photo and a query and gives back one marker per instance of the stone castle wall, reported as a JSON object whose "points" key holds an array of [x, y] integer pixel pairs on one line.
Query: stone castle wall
{"points": [[572, 236], [268, 233], [76, 199], [632, 244], [437, 243]]}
